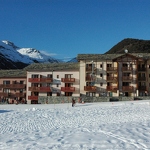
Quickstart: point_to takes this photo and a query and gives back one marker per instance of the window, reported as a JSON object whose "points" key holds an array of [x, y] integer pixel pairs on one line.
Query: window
{"points": [[34, 76], [101, 65], [57, 85], [101, 75], [6, 82], [101, 84], [109, 65], [67, 75], [58, 94], [91, 94], [49, 76], [125, 65], [49, 93], [57, 76], [21, 82]]}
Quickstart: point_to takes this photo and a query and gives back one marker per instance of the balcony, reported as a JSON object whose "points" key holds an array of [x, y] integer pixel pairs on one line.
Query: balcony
{"points": [[142, 78], [112, 79], [68, 80], [127, 88], [40, 89], [127, 69], [90, 88], [111, 69], [3, 94], [32, 97], [142, 88], [127, 78], [40, 80], [141, 69], [112, 88], [68, 89], [20, 94], [90, 78], [13, 86], [89, 69]]}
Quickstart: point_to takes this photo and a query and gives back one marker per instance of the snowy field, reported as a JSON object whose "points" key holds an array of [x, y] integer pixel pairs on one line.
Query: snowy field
{"points": [[89, 126]]}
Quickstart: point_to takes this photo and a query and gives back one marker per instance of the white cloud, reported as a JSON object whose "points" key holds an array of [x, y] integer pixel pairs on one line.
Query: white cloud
{"points": [[48, 54]]}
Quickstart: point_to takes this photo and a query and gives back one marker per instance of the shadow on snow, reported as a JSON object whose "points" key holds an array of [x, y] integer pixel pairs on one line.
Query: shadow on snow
{"points": [[5, 111]]}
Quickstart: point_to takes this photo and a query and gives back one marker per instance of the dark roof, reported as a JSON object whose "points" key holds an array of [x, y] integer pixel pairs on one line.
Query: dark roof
{"points": [[13, 73], [52, 66], [110, 56]]}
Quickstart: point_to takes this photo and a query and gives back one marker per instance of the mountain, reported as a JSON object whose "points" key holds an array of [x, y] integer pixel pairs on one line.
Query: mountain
{"points": [[72, 60], [132, 45], [14, 57]]}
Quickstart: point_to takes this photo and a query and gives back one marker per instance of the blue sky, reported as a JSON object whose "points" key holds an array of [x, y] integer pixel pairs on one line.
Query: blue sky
{"points": [[65, 28]]}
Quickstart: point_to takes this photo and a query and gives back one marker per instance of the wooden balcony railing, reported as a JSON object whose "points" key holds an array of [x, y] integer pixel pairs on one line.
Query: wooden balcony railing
{"points": [[112, 88], [142, 78], [90, 69], [3, 94], [127, 78], [89, 78], [141, 69], [13, 86], [12, 95], [68, 89], [90, 88], [37, 80], [142, 88], [32, 97], [127, 69], [67, 79], [112, 79], [111, 68], [20, 94], [127, 88], [40, 89]]}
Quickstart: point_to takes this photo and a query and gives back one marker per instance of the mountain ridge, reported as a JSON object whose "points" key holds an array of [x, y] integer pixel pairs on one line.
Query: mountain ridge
{"points": [[132, 45], [14, 57]]}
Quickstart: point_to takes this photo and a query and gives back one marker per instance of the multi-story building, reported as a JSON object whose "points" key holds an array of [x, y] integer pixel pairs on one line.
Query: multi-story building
{"points": [[114, 74], [13, 86], [94, 75], [52, 80]]}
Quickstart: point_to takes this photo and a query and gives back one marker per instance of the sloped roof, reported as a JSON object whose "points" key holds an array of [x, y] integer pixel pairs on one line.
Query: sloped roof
{"points": [[52, 66], [110, 56], [13, 73]]}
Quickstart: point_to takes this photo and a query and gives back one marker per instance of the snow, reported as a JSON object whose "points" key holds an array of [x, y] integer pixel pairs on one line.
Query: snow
{"points": [[25, 55], [35, 54], [106, 125], [10, 53]]}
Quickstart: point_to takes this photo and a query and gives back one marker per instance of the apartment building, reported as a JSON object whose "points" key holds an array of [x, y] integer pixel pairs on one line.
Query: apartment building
{"points": [[12, 86], [52, 80], [94, 75], [114, 74]]}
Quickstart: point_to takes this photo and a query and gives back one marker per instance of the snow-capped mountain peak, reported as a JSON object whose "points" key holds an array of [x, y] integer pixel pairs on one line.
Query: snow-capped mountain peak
{"points": [[16, 54], [11, 44]]}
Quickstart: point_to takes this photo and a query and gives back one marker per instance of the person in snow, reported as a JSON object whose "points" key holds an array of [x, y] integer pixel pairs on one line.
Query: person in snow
{"points": [[73, 102]]}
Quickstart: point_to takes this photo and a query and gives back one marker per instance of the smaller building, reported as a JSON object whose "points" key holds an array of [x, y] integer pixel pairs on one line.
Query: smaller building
{"points": [[13, 86], [48, 79]]}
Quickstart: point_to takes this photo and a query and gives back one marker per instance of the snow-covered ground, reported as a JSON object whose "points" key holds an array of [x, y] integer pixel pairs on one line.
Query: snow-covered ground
{"points": [[89, 126]]}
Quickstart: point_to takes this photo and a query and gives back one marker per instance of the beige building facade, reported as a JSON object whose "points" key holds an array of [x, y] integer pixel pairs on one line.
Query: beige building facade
{"points": [[58, 81], [114, 74]]}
